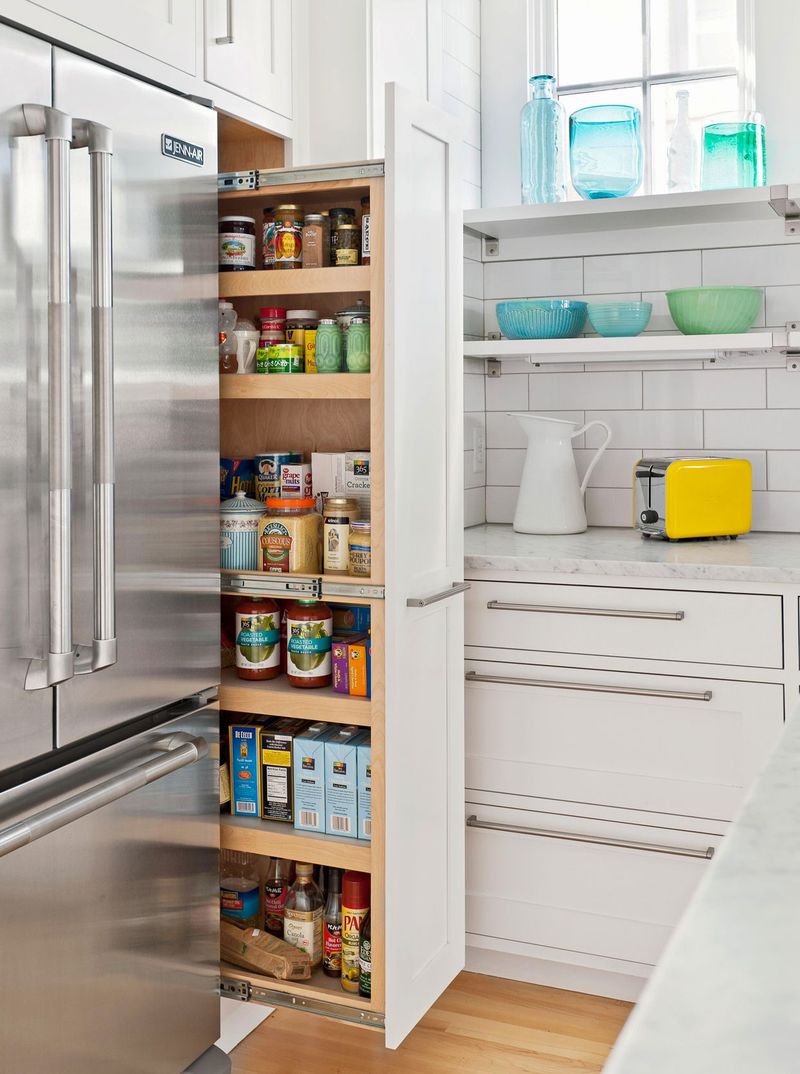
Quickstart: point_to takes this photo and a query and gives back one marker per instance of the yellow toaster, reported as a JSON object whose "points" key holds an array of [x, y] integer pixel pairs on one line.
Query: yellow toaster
{"points": [[679, 499]]}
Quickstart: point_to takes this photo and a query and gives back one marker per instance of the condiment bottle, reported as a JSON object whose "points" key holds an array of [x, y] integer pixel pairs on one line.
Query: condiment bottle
{"points": [[276, 887], [359, 545], [309, 626], [258, 652], [332, 926], [355, 907], [365, 235], [302, 919], [365, 959], [239, 888], [338, 515]]}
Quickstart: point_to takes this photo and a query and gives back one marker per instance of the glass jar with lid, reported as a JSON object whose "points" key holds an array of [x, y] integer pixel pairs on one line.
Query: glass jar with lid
{"points": [[337, 516], [345, 316], [289, 221], [237, 243], [316, 241], [358, 346], [346, 244], [290, 537], [328, 349], [360, 549]]}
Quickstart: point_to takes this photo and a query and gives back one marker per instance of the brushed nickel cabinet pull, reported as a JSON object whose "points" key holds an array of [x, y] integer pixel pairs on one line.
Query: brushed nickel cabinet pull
{"points": [[597, 840], [591, 688], [558, 609], [423, 602]]}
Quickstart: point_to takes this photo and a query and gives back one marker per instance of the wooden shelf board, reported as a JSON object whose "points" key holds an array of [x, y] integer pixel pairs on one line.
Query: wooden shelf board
{"points": [[309, 281], [275, 697], [274, 839], [319, 987], [295, 386]]}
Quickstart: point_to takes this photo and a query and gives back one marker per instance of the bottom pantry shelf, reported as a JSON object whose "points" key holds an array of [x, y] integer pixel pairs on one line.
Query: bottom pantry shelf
{"points": [[274, 839], [320, 989]]}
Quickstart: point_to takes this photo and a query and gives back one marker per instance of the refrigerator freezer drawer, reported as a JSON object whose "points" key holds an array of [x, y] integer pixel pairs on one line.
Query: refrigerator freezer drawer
{"points": [[109, 930]]}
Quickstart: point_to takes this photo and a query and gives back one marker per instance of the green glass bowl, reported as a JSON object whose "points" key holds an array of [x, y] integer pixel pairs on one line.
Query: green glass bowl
{"points": [[703, 311]]}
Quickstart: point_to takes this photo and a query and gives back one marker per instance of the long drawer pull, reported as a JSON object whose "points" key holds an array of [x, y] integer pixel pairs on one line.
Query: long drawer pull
{"points": [[558, 609], [570, 837], [591, 687], [424, 602]]}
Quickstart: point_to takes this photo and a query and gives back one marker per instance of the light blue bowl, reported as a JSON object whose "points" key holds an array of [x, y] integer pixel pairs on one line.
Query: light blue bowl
{"points": [[541, 318], [620, 318]]}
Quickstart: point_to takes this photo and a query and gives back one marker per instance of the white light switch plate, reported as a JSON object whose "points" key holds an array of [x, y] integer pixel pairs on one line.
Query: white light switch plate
{"points": [[478, 449]]}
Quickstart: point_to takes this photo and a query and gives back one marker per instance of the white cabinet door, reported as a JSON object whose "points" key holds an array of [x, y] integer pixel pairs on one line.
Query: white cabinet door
{"points": [[424, 557], [163, 29], [249, 50]]}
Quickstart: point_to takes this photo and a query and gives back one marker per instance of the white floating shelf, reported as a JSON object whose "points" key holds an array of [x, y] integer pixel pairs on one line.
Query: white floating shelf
{"points": [[636, 348]]}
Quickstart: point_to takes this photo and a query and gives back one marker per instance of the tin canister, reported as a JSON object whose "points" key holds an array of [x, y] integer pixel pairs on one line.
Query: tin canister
{"points": [[235, 475], [280, 358], [267, 468], [238, 533]]}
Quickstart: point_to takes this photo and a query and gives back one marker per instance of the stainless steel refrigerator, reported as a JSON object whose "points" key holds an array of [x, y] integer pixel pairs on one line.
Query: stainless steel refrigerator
{"points": [[109, 618]]}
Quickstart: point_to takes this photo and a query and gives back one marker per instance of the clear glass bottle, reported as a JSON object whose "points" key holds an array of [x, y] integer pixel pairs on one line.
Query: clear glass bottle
{"points": [[302, 916], [239, 888], [681, 150], [541, 135], [332, 926]]}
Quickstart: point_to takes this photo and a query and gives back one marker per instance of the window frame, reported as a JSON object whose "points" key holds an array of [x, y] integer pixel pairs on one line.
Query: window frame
{"points": [[543, 50]]}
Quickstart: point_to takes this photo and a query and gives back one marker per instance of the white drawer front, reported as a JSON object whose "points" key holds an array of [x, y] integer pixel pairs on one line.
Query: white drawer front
{"points": [[744, 630], [597, 899], [576, 742]]}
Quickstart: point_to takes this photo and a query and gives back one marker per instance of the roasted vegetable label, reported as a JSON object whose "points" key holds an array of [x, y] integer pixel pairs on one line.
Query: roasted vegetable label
{"points": [[257, 641]]}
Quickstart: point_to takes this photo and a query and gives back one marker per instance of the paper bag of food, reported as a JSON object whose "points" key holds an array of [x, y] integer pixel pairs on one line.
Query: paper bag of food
{"points": [[254, 949]]}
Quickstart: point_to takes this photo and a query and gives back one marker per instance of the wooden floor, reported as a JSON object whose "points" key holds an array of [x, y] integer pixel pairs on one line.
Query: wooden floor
{"points": [[481, 1025]]}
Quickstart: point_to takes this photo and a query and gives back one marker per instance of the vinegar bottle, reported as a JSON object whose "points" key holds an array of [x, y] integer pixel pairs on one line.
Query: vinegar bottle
{"points": [[541, 135], [681, 150], [332, 926], [276, 887], [302, 919]]}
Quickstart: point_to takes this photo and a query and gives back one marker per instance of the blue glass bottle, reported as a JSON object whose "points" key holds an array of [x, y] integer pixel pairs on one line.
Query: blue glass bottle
{"points": [[541, 126]]}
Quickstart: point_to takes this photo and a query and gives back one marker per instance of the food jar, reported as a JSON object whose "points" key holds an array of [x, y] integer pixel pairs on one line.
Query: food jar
{"points": [[237, 243], [267, 467], [280, 358], [289, 237], [290, 537], [365, 222], [316, 241], [346, 244], [268, 238], [360, 549], [258, 636], [238, 532], [358, 346], [328, 350], [337, 516], [345, 316], [273, 325], [309, 626], [336, 218]]}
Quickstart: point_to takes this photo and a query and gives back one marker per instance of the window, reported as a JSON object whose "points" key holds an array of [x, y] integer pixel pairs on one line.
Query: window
{"points": [[642, 52]]}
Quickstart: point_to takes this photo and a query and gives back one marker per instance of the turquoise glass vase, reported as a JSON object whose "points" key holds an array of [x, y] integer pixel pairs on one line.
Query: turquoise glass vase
{"points": [[540, 131], [734, 155], [605, 150]]}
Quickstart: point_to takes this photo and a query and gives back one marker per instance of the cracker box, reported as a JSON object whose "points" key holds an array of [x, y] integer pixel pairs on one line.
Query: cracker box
{"points": [[359, 667], [244, 769], [343, 473], [364, 782], [277, 782], [309, 778], [341, 781]]}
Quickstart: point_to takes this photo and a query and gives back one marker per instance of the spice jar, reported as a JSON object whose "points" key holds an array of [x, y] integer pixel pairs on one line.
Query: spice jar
{"points": [[289, 237], [268, 239], [273, 330], [237, 243], [337, 516], [290, 537], [328, 351], [258, 635], [360, 549], [238, 532], [309, 625], [316, 241], [365, 221], [346, 244], [358, 346]]}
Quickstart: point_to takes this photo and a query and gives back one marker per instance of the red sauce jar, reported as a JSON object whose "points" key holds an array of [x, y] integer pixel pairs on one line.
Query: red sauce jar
{"points": [[258, 637], [309, 626]]}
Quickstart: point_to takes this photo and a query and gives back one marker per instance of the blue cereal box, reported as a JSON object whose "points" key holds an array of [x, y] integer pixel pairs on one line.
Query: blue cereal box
{"points": [[235, 475], [245, 795], [364, 781], [309, 778], [341, 786], [350, 619]]}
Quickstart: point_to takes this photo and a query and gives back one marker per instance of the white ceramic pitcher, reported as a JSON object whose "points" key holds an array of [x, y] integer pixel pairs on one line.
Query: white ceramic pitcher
{"points": [[550, 495]]}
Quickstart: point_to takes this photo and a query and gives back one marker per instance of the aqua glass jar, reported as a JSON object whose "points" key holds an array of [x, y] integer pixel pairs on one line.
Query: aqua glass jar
{"points": [[734, 154], [328, 346], [605, 150], [540, 135], [358, 346]]}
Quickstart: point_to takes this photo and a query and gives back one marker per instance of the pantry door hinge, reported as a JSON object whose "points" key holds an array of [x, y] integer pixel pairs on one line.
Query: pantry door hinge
{"points": [[273, 997]]}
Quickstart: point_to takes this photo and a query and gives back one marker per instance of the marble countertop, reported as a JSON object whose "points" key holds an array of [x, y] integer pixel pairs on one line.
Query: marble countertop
{"points": [[755, 557], [726, 995]]}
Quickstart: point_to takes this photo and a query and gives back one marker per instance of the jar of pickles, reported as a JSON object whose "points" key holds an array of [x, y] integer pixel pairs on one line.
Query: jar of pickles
{"points": [[289, 237], [358, 346], [328, 349]]}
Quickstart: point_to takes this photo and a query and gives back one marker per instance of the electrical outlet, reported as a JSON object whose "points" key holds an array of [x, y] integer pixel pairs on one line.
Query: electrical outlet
{"points": [[478, 450]]}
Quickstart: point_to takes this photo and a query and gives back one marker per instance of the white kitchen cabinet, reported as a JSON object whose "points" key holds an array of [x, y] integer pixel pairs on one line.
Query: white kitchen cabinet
{"points": [[248, 51]]}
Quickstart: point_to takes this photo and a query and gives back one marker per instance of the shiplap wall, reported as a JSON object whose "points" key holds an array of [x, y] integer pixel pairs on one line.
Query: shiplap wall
{"points": [[461, 86]]}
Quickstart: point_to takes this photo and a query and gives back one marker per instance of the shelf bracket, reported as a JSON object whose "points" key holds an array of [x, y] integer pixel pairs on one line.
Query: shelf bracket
{"points": [[491, 247], [784, 204]]}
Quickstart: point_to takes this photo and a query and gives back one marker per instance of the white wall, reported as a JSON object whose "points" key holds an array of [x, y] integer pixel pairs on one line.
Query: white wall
{"points": [[461, 86]]}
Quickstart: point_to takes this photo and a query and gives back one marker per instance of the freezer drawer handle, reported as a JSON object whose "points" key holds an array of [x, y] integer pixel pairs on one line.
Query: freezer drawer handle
{"points": [[102, 652], [177, 752], [591, 687], [57, 666], [423, 602], [556, 609], [228, 38], [570, 837]]}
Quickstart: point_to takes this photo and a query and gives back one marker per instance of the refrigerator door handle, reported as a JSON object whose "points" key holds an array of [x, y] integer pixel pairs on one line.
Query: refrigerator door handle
{"points": [[56, 126], [103, 651], [169, 755]]}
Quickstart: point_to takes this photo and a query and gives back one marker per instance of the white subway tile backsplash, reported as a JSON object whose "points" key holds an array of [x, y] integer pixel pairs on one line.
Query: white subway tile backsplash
{"points": [[474, 392], [642, 272], [474, 507], [473, 317], [776, 511], [783, 304], [613, 471], [783, 471], [632, 428], [472, 246], [473, 478], [758, 459], [609, 507], [783, 389], [752, 429], [471, 423], [501, 503], [554, 391], [752, 266], [717, 389], [533, 279], [473, 279], [504, 431], [509, 392], [504, 466]]}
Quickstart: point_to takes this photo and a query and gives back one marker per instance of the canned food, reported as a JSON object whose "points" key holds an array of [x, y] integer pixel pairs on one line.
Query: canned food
{"points": [[280, 358], [267, 467]]}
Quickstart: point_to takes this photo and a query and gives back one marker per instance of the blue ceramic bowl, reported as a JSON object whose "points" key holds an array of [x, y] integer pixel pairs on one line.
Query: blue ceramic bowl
{"points": [[620, 318], [541, 318]]}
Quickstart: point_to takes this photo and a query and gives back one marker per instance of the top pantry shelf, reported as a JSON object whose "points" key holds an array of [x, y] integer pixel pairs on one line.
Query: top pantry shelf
{"points": [[306, 281], [646, 211]]}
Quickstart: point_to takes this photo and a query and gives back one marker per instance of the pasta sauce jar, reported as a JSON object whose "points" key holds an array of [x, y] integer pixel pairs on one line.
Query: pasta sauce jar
{"points": [[309, 626], [258, 649]]}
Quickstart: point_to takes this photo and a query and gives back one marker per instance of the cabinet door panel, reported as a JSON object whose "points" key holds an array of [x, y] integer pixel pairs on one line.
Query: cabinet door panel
{"points": [[249, 50], [424, 557]]}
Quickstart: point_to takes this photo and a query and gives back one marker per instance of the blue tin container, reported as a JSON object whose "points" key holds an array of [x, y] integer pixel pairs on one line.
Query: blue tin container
{"points": [[238, 533]]}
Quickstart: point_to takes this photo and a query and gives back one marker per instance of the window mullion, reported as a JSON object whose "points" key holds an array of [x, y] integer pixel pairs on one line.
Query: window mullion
{"points": [[647, 134]]}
